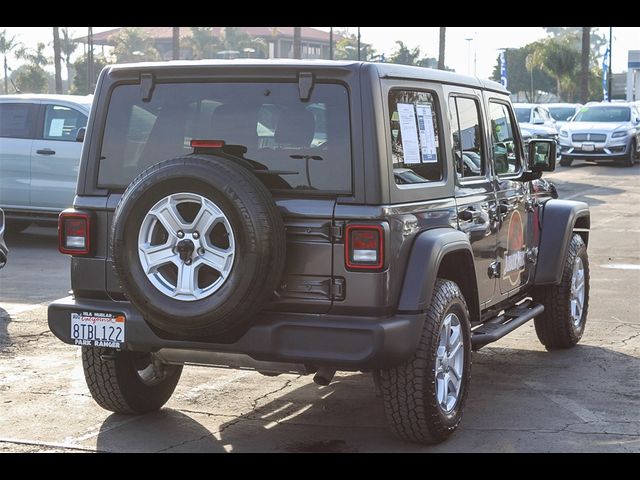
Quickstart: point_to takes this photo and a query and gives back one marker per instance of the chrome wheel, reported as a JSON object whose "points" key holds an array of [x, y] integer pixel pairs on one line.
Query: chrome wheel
{"points": [[449, 363], [577, 292], [186, 246]]}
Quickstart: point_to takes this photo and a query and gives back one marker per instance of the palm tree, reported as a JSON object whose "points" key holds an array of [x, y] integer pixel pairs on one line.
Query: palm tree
{"points": [[176, 43], [584, 64], [203, 43], [405, 56], [559, 60], [443, 34], [57, 59], [7, 45], [297, 42], [132, 45], [68, 46]]}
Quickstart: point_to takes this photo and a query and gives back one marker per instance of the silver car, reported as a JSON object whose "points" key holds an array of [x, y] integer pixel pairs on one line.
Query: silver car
{"points": [[602, 131], [40, 145], [562, 113]]}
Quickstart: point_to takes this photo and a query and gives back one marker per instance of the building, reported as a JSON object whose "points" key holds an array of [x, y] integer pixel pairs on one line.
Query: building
{"points": [[278, 41]]}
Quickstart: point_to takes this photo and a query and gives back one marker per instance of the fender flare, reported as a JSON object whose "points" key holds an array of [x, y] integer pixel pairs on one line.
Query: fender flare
{"points": [[558, 222], [427, 252]]}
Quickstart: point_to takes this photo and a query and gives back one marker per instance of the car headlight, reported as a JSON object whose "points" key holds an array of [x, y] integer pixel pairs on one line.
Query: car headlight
{"points": [[619, 134], [564, 133]]}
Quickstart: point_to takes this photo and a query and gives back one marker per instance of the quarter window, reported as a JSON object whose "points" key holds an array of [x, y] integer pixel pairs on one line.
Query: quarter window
{"points": [[468, 153], [506, 156], [415, 146], [62, 123]]}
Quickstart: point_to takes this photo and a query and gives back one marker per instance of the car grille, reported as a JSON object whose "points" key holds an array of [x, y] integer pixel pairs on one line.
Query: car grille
{"points": [[589, 137]]}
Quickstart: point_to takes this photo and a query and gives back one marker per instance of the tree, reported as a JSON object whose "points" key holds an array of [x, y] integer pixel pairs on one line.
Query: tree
{"points": [[68, 46], [175, 43], [297, 42], [441, 44], [80, 85], [347, 48], [584, 64], [233, 39], [7, 45], [558, 58], [519, 76], [132, 45], [57, 59], [203, 43], [404, 55], [31, 78]]}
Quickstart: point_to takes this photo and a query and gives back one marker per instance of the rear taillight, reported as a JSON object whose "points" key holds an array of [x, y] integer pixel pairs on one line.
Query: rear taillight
{"points": [[74, 232], [364, 247]]}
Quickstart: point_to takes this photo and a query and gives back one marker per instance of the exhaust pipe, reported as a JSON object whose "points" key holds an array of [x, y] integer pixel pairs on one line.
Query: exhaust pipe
{"points": [[323, 376]]}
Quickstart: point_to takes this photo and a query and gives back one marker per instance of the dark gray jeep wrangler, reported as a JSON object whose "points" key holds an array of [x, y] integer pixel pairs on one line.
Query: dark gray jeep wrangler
{"points": [[310, 217]]}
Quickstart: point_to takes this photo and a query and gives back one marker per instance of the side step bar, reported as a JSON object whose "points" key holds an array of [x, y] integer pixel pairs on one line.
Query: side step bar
{"points": [[498, 327]]}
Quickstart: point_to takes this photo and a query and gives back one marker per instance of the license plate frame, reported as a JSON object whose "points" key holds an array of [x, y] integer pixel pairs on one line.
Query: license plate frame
{"points": [[98, 329], [588, 147]]}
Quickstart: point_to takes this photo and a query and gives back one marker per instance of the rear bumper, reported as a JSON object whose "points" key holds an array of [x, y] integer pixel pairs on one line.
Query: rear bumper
{"points": [[345, 343]]}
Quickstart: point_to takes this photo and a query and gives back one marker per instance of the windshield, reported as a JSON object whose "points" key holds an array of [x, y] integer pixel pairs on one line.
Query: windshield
{"points": [[306, 145], [562, 114], [523, 114], [603, 114]]}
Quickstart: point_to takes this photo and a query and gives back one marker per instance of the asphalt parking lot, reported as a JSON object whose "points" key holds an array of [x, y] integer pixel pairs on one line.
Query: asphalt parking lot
{"points": [[522, 398]]}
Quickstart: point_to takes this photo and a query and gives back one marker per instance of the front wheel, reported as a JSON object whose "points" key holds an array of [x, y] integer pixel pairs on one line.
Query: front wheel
{"points": [[565, 162], [425, 396], [562, 323], [630, 159], [128, 382]]}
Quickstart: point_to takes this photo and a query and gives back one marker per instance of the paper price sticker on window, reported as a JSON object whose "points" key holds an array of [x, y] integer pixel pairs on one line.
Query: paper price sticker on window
{"points": [[427, 134], [409, 131]]}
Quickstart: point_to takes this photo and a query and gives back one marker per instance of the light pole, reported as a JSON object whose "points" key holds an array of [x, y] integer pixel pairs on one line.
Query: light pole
{"points": [[610, 57], [330, 43], [469, 55], [358, 43]]}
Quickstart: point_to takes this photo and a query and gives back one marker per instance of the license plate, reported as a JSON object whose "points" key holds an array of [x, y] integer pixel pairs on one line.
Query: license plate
{"points": [[588, 147], [98, 329]]}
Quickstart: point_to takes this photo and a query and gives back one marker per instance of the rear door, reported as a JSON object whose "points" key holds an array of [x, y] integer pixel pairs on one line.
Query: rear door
{"points": [[17, 129], [474, 191], [55, 156]]}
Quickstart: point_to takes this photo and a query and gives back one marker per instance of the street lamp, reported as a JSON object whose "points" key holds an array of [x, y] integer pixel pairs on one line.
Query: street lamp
{"points": [[469, 40]]}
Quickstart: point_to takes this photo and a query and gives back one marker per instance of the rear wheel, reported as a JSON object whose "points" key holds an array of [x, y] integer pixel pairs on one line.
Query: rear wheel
{"points": [[562, 323], [17, 226], [128, 382], [425, 396]]}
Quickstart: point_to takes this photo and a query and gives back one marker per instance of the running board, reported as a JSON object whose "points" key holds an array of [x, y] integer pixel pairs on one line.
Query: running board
{"points": [[498, 327]]}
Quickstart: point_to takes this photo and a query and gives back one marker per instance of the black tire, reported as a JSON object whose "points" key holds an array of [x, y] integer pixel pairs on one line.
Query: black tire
{"points": [[630, 159], [259, 237], [409, 390], [16, 226], [115, 384], [566, 162], [555, 327]]}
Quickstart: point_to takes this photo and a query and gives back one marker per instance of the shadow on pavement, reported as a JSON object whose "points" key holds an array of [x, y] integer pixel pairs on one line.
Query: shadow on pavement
{"points": [[515, 393]]}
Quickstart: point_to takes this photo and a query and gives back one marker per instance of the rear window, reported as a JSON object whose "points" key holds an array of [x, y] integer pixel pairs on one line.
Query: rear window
{"points": [[306, 144], [16, 120]]}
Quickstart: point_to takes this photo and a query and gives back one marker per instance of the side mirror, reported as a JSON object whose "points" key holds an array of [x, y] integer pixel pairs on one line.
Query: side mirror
{"points": [[538, 121], [80, 134], [542, 155]]}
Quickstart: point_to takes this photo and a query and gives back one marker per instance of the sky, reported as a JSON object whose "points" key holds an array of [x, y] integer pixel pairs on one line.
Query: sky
{"points": [[476, 56]]}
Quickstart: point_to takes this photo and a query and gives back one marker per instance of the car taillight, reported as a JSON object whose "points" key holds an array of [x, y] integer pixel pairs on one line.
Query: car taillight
{"points": [[364, 247], [74, 232]]}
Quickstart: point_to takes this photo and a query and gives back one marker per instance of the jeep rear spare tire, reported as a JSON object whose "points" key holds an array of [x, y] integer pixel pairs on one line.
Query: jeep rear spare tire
{"points": [[199, 246]]}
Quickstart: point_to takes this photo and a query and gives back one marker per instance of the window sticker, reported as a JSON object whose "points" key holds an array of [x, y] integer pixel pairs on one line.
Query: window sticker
{"points": [[55, 129], [409, 131], [427, 134]]}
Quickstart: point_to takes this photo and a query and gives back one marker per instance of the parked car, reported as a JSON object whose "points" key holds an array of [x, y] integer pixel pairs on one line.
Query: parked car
{"points": [[308, 246], [40, 144], [602, 131], [562, 112], [4, 251], [535, 122]]}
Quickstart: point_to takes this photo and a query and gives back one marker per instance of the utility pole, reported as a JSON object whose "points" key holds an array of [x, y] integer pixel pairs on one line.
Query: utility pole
{"points": [[443, 35], [176, 43], [468, 55], [90, 60], [330, 43], [610, 57], [358, 43], [297, 42], [56, 59]]}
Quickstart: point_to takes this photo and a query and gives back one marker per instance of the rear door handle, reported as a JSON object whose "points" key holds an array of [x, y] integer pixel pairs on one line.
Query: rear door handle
{"points": [[46, 151]]}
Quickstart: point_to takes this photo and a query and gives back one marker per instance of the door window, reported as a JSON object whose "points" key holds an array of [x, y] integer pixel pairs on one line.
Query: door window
{"points": [[415, 146], [468, 153], [62, 123], [16, 120], [506, 152]]}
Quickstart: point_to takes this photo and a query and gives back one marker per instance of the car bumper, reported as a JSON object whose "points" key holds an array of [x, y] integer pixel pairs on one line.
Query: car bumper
{"points": [[341, 342], [602, 151]]}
